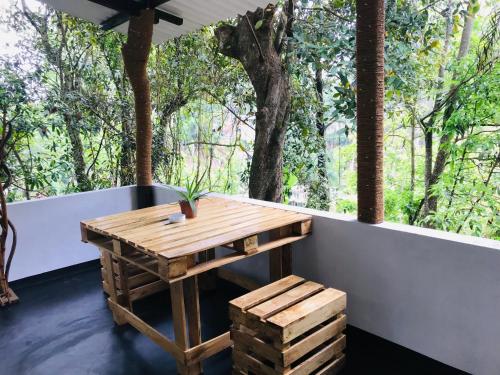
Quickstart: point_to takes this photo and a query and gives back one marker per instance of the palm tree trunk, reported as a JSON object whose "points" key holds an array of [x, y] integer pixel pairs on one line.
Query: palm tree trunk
{"points": [[370, 36], [135, 56]]}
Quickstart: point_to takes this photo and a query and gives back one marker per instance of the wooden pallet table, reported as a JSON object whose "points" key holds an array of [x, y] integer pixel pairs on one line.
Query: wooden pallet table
{"points": [[141, 255]]}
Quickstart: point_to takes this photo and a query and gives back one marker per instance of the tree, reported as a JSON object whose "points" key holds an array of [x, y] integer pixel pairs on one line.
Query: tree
{"points": [[12, 100], [370, 32], [135, 56], [66, 60], [258, 46]]}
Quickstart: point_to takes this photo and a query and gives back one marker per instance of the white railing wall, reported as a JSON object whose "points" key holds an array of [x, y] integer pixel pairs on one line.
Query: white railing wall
{"points": [[433, 292]]}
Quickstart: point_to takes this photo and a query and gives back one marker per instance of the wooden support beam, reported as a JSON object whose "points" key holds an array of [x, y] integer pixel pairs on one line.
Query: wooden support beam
{"points": [[280, 259], [192, 301], [179, 319], [147, 330]]}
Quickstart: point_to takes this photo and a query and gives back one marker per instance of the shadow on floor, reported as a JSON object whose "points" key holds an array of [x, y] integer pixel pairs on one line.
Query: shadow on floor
{"points": [[62, 326]]}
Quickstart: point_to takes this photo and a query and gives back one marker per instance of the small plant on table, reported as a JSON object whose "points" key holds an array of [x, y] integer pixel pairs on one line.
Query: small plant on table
{"points": [[191, 196]]}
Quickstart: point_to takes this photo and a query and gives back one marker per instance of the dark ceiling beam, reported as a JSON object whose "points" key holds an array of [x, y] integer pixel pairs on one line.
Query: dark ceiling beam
{"points": [[169, 17], [130, 8]]}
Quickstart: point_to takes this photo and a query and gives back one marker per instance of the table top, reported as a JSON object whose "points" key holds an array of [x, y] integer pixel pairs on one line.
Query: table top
{"points": [[219, 222]]}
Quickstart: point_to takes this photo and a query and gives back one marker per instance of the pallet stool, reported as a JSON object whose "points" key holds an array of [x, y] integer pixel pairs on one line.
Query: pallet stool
{"points": [[292, 326]]}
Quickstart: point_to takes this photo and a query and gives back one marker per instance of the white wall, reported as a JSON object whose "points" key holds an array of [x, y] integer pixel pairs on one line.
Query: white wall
{"points": [[436, 293], [49, 229], [433, 292]]}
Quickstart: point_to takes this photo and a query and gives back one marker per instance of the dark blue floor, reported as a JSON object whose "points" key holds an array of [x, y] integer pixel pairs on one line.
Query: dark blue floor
{"points": [[62, 327]]}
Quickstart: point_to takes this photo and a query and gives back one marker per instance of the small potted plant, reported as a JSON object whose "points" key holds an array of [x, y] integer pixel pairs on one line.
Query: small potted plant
{"points": [[190, 197]]}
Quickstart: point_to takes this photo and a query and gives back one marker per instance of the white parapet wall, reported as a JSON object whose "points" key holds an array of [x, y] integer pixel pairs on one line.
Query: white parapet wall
{"points": [[433, 292], [49, 229]]}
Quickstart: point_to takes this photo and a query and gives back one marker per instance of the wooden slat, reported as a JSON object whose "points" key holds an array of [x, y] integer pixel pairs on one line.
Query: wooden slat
{"points": [[285, 300], [148, 289], [334, 367], [224, 236], [202, 231], [307, 314], [153, 230], [234, 257], [261, 295], [247, 362], [208, 348], [196, 228], [256, 345], [304, 346], [147, 330], [319, 359]]}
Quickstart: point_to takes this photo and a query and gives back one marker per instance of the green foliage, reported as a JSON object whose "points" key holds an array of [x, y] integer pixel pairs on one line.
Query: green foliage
{"points": [[192, 191], [69, 80]]}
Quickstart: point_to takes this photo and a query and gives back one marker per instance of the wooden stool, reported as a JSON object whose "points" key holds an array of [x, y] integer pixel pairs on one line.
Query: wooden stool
{"points": [[292, 326]]}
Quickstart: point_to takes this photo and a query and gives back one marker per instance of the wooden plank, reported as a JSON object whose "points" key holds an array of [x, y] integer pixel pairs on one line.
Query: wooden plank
{"points": [[280, 259], [261, 295], [111, 283], [144, 262], [284, 300], [147, 330], [312, 341], [144, 213], [152, 231], [256, 345], [246, 362], [236, 278], [197, 228], [192, 301], [208, 348], [148, 289], [234, 257], [193, 310], [224, 236], [158, 218], [172, 268], [304, 227], [141, 279], [208, 230], [247, 245], [319, 359], [179, 320], [301, 317], [334, 367]]}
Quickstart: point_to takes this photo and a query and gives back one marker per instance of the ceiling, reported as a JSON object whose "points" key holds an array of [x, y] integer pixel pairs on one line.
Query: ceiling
{"points": [[195, 14]]}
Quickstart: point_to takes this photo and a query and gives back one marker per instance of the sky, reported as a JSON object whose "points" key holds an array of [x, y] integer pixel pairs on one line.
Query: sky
{"points": [[8, 39]]}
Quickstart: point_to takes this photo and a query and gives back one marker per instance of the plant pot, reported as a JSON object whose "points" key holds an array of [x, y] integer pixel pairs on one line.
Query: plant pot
{"points": [[187, 210]]}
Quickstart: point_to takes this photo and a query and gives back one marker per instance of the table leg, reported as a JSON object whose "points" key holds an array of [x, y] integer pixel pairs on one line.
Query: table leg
{"points": [[179, 319], [280, 259], [193, 317], [110, 280], [179, 310]]}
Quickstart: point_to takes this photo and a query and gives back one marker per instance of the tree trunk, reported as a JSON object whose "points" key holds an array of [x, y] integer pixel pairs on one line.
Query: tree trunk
{"points": [[252, 41], [82, 180], [429, 126], [320, 189], [135, 56], [370, 36], [443, 149], [412, 156], [127, 153]]}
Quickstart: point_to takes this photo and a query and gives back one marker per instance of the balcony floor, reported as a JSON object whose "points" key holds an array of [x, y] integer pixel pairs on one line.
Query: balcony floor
{"points": [[62, 326]]}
